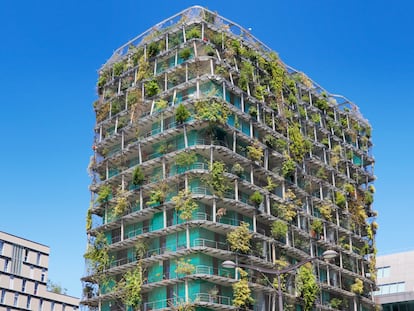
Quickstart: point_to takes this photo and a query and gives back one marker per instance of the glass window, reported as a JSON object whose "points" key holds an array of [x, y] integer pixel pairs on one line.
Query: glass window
{"points": [[3, 294], [29, 298], [38, 259], [1, 247], [383, 272], [6, 265], [23, 286]]}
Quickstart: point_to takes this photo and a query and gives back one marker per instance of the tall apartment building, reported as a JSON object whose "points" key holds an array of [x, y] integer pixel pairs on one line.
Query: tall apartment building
{"points": [[23, 277], [395, 273], [209, 148]]}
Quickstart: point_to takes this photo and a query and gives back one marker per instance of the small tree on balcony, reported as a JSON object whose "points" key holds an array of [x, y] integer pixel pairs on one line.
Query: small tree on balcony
{"points": [[130, 286], [216, 179], [181, 114], [184, 204], [255, 152], [239, 238], [256, 198], [241, 292], [138, 176]]}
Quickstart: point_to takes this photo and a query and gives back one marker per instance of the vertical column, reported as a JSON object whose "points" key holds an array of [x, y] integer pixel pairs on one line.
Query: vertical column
{"points": [[236, 189], [139, 153], [122, 229]]}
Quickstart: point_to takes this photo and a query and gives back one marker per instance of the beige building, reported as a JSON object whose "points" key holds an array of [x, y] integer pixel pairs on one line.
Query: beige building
{"points": [[395, 273], [23, 277]]}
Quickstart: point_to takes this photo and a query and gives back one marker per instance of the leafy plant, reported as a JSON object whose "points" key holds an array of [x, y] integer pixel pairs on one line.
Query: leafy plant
{"points": [[118, 68], [181, 114], [185, 204], [216, 179], [193, 32], [288, 167], [270, 141], [184, 266], [153, 49], [138, 176], [141, 249], [270, 184], [241, 291], [237, 169], [186, 159], [253, 111], [239, 238], [130, 286], [104, 194], [161, 104], [185, 53], [297, 145], [209, 50], [152, 88], [317, 226], [212, 111], [306, 286], [158, 195], [97, 253], [326, 211], [357, 287], [340, 199], [279, 229], [89, 219], [255, 152], [256, 198], [335, 303], [122, 203]]}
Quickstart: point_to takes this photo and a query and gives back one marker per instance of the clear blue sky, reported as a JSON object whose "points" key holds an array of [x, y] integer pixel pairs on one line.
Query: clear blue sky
{"points": [[50, 52]]}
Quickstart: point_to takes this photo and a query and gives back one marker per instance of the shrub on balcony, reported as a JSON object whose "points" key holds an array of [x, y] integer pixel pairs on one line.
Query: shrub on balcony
{"points": [[122, 203], [184, 267], [138, 176], [211, 110], [216, 180], [357, 287], [152, 88], [256, 198], [237, 169], [185, 53], [104, 194], [239, 238], [255, 152], [241, 292], [306, 286], [186, 159], [181, 114], [97, 254], [288, 167], [130, 286], [279, 229], [184, 204]]}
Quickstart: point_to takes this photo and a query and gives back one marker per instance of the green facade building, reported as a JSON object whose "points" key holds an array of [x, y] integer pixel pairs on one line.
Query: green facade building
{"points": [[209, 148]]}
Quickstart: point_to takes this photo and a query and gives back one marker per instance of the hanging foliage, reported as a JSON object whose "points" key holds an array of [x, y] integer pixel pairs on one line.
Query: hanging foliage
{"points": [[216, 179]]}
